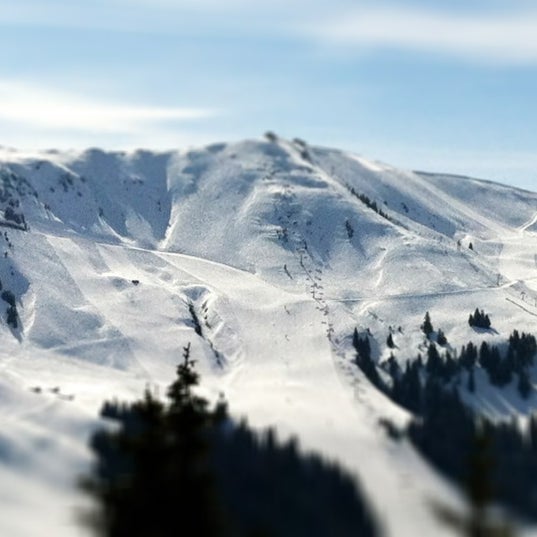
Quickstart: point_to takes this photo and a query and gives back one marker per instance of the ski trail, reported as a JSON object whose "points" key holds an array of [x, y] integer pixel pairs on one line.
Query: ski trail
{"points": [[528, 224]]}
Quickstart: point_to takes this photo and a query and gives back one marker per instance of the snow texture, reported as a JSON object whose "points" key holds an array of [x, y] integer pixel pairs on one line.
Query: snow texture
{"points": [[274, 249]]}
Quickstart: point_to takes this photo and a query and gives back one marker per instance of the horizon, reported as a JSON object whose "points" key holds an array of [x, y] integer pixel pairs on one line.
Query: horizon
{"points": [[447, 89]]}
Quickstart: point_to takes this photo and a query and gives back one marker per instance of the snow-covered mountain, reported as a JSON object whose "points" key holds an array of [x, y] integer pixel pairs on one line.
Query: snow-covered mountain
{"points": [[275, 251]]}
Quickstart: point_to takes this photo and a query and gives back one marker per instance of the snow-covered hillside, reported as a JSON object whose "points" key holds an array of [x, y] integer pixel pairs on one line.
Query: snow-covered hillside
{"points": [[278, 250]]}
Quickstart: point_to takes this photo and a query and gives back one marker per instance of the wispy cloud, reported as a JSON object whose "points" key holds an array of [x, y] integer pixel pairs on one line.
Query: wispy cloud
{"points": [[33, 106], [35, 117], [502, 32], [495, 38]]}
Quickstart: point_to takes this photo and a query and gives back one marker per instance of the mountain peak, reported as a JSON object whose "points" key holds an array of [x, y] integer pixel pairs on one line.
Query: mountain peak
{"points": [[265, 256]]}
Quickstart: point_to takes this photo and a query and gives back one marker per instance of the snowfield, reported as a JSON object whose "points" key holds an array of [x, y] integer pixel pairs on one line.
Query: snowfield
{"points": [[274, 249]]}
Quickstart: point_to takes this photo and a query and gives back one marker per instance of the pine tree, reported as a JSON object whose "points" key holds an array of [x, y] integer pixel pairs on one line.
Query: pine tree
{"points": [[479, 319], [524, 384], [471, 381], [154, 475], [468, 356], [393, 368], [355, 339], [407, 390], [532, 427], [479, 522], [180, 391], [427, 326], [183, 469], [495, 365], [434, 364], [450, 369], [441, 338], [484, 356], [188, 425]]}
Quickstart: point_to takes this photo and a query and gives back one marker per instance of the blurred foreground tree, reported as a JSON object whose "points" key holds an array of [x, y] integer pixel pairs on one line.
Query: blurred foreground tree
{"points": [[184, 468], [480, 520]]}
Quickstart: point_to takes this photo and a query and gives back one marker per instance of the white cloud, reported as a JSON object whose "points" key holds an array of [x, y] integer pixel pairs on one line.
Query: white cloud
{"points": [[33, 117], [496, 38], [502, 32], [35, 107]]}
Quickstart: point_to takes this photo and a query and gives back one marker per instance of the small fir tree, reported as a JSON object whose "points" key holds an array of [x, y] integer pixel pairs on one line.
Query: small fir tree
{"points": [[441, 338], [427, 326]]}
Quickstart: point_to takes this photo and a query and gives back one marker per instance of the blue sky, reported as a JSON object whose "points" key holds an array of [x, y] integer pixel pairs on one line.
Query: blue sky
{"points": [[443, 86]]}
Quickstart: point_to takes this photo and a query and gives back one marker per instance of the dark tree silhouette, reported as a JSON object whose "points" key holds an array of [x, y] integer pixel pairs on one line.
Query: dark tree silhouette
{"points": [[479, 319], [427, 326], [441, 338], [479, 489], [184, 468]]}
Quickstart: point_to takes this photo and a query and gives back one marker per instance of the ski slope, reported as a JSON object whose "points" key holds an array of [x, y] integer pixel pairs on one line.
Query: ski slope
{"points": [[278, 258]]}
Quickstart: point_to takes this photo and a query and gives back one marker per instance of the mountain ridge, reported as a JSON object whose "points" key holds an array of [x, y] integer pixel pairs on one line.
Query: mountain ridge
{"points": [[265, 255]]}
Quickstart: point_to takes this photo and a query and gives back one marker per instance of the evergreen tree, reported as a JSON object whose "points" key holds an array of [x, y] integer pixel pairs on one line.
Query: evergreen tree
{"points": [[479, 522], [12, 317], [393, 367], [524, 347], [365, 362], [484, 356], [184, 469], [434, 364], [451, 368], [495, 366], [427, 326], [532, 427], [524, 384], [471, 381], [479, 319], [441, 338], [407, 390], [355, 339], [369, 368], [155, 469], [468, 356]]}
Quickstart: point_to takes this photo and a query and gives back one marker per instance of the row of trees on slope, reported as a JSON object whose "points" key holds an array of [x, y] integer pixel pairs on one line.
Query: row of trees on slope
{"points": [[447, 431], [444, 429], [501, 367], [184, 467]]}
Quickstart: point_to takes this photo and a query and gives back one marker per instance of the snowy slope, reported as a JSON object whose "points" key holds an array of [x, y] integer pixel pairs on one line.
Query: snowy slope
{"points": [[108, 254]]}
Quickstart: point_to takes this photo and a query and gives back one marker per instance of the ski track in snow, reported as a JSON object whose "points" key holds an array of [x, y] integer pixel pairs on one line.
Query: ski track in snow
{"points": [[528, 224], [258, 242]]}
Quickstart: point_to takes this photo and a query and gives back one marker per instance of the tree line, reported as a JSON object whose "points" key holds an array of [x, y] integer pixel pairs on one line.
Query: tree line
{"points": [[444, 429]]}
